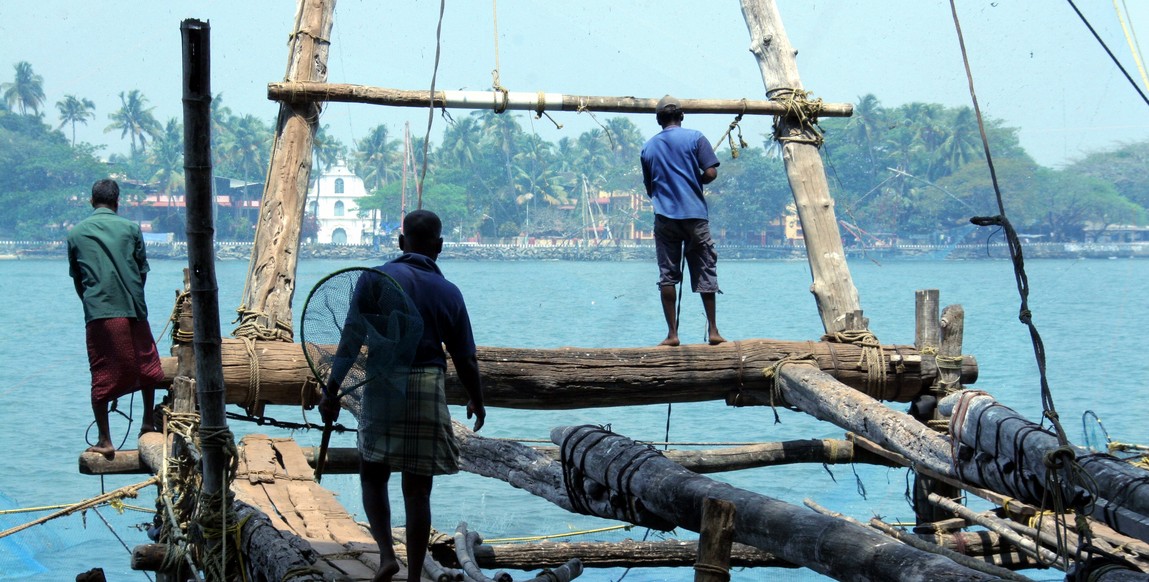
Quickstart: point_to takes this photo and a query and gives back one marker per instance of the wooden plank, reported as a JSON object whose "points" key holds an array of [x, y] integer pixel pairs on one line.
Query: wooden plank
{"points": [[293, 460], [303, 501], [281, 504], [258, 463]]}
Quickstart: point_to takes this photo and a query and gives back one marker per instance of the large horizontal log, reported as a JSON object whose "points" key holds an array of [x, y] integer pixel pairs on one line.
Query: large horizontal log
{"points": [[624, 554], [570, 378], [538, 102], [833, 547]]}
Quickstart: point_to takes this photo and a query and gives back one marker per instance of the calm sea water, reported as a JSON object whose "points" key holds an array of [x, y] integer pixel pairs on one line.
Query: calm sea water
{"points": [[1089, 313]]}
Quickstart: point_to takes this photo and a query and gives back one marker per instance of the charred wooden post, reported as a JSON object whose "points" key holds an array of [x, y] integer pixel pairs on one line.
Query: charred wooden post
{"points": [[567, 378], [928, 340], [999, 449], [830, 546], [265, 312], [833, 287], [714, 541]]}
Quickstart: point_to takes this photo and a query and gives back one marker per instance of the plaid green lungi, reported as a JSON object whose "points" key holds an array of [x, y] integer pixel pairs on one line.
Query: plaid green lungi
{"points": [[409, 432]]}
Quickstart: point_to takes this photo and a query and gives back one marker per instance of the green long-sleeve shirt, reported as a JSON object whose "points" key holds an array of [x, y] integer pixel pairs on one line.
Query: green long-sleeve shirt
{"points": [[108, 264]]}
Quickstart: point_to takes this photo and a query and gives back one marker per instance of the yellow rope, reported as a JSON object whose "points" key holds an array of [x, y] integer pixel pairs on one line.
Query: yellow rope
{"points": [[1132, 44], [560, 535], [872, 359], [803, 110]]}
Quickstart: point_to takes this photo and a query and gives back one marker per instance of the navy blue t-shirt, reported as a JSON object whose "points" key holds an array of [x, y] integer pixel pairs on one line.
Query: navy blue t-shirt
{"points": [[672, 165], [440, 303]]}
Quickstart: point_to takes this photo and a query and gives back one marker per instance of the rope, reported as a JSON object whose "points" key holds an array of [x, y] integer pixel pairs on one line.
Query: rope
{"points": [[801, 110], [734, 150], [431, 106], [182, 305], [126, 491], [1107, 51], [771, 374], [872, 359]]}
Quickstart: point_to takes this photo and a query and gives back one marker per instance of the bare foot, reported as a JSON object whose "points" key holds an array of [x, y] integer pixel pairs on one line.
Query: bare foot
{"points": [[387, 571], [716, 339], [669, 341], [107, 450]]}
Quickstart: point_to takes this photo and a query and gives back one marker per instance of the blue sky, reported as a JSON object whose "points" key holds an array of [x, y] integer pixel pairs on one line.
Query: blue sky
{"points": [[1035, 65]]}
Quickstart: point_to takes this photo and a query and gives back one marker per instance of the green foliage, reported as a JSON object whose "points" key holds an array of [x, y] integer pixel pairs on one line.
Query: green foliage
{"points": [[916, 170]]}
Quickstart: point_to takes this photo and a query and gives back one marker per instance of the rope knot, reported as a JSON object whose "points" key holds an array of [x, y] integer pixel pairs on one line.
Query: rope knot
{"points": [[1059, 458]]}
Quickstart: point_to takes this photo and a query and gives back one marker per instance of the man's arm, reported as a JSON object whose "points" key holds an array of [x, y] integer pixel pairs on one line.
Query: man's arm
{"points": [[468, 370], [709, 175]]}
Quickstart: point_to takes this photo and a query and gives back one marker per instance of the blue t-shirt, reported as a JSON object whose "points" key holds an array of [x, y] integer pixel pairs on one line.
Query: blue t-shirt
{"points": [[672, 165], [440, 303]]}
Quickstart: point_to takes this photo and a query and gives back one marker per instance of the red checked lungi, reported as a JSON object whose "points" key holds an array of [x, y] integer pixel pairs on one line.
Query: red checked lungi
{"points": [[122, 356]]}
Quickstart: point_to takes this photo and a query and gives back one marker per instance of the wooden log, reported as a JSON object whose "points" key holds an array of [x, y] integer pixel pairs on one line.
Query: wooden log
{"points": [[833, 547], [569, 378], [271, 554], [1002, 450], [821, 396], [714, 541], [345, 460], [624, 554], [833, 287], [958, 557], [304, 92], [997, 525], [951, 326], [266, 304]]}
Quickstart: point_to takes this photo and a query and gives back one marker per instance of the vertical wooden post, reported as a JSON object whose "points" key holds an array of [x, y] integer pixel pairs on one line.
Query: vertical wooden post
{"points": [[833, 288], [716, 536], [949, 351], [266, 304], [926, 331]]}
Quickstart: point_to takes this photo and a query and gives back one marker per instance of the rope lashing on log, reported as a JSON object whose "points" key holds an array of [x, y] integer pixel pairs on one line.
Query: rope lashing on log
{"points": [[949, 363], [253, 326], [802, 110], [573, 451], [180, 309], [872, 358], [771, 375]]}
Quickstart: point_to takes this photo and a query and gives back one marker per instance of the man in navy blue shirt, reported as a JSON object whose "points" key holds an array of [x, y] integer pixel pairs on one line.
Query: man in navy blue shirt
{"points": [[418, 441], [676, 163]]}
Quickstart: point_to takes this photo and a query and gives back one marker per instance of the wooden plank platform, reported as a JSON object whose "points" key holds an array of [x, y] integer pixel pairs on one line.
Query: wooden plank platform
{"points": [[274, 476]]}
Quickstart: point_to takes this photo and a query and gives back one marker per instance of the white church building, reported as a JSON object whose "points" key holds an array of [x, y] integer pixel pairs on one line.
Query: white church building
{"points": [[333, 200]]}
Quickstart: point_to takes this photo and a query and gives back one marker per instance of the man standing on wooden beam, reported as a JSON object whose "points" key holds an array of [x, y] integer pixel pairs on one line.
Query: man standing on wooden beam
{"points": [[676, 163]]}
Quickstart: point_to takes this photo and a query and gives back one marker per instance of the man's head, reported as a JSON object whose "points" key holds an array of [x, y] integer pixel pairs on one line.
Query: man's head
{"points": [[106, 194], [668, 111], [422, 234]]}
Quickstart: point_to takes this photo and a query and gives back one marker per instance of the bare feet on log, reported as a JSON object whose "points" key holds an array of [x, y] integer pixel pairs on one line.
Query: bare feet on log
{"points": [[105, 449], [671, 340], [716, 339], [387, 570]]}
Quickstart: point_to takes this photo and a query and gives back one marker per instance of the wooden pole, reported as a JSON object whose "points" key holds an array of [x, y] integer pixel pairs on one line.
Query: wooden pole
{"points": [[266, 308], [538, 102], [201, 251], [833, 288], [714, 541]]}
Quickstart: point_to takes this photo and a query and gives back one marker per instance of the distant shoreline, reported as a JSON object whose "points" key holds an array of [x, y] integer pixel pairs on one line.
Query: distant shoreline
{"points": [[17, 250]]}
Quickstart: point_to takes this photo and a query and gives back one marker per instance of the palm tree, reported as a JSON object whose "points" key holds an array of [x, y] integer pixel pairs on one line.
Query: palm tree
{"points": [[75, 110], [866, 124], [26, 91], [964, 142], [134, 120], [461, 142], [376, 158], [166, 156], [328, 149]]}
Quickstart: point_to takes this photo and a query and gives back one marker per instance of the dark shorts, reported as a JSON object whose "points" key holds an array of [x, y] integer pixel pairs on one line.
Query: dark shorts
{"points": [[670, 237], [122, 357]]}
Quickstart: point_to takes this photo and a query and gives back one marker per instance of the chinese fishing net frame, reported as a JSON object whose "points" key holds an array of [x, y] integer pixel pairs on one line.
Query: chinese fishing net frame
{"points": [[359, 327]]}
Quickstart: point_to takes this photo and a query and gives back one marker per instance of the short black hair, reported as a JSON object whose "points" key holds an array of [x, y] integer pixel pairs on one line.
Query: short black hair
{"points": [[422, 226], [668, 116], [106, 192]]}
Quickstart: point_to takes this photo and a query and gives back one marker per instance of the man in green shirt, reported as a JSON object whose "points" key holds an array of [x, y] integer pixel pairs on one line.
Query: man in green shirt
{"points": [[109, 267]]}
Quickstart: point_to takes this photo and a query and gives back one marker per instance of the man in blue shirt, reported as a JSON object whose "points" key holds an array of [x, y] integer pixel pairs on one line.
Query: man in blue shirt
{"points": [[418, 441], [676, 163]]}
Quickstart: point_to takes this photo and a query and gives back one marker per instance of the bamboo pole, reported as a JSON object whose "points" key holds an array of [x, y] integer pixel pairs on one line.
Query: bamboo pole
{"points": [[201, 252], [538, 102], [833, 287], [266, 308]]}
